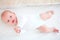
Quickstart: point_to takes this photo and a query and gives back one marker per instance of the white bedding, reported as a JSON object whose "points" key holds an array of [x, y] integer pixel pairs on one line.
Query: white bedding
{"points": [[29, 20]]}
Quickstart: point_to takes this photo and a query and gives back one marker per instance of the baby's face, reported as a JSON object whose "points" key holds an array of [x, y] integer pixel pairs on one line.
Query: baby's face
{"points": [[9, 17]]}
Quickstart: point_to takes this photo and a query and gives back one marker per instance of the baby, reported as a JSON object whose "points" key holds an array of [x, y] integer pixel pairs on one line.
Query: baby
{"points": [[10, 18]]}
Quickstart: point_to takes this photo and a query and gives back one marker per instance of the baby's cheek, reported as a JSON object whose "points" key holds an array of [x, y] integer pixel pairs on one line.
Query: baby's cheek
{"points": [[10, 23]]}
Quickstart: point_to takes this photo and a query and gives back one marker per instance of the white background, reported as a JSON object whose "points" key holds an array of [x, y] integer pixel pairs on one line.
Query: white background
{"points": [[29, 20]]}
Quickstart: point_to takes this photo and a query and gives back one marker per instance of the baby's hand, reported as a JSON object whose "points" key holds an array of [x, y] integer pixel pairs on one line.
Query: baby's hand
{"points": [[17, 29]]}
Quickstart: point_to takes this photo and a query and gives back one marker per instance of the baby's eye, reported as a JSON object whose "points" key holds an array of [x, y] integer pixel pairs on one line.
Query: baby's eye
{"points": [[8, 21], [10, 16]]}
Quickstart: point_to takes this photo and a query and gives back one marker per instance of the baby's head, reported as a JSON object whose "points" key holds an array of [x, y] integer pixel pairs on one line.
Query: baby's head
{"points": [[9, 17]]}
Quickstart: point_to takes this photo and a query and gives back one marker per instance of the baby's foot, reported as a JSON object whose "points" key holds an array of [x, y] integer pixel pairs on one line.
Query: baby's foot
{"points": [[44, 29], [55, 30], [46, 15], [17, 29]]}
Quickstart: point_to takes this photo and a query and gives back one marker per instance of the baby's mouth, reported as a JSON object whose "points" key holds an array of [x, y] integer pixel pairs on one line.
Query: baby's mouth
{"points": [[13, 21]]}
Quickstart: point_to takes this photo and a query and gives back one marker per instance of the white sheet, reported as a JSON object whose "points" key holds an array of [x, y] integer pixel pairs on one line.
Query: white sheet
{"points": [[29, 20]]}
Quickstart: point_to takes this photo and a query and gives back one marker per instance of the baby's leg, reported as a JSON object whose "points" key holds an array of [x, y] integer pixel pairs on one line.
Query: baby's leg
{"points": [[17, 29], [44, 28], [46, 15]]}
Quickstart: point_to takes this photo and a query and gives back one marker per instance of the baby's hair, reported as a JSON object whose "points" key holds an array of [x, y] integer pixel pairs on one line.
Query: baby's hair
{"points": [[4, 12]]}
